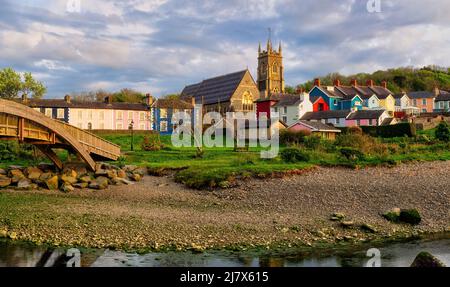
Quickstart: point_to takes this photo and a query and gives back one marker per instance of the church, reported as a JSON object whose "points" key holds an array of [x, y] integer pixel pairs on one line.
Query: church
{"points": [[238, 92]]}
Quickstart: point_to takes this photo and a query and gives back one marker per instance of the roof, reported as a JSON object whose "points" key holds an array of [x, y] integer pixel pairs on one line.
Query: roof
{"points": [[61, 103], [399, 96], [366, 114], [421, 95], [326, 115], [214, 90], [387, 121], [349, 92], [443, 96], [317, 126], [172, 103], [289, 100]]}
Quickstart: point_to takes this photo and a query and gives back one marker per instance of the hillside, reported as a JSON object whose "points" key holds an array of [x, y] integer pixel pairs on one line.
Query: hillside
{"points": [[399, 79]]}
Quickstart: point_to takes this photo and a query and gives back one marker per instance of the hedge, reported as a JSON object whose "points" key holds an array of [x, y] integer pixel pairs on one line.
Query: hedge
{"points": [[391, 131]]}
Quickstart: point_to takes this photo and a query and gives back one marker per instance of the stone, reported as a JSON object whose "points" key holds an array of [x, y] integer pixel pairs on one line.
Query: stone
{"points": [[81, 170], [4, 181], [16, 175], [136, 177], [86, 179], [81, 185], [101, 172], [141, 171], [24, 183], [369, 228], [129, 168], [45, 176], [46, 167], [68, 179], [34, 175], [12, 235], [66, 187], [426, 260], [347, 224], [16, 167], [70, 173], [99, 183], [121, 173], [52, 183], [32, 171], [111, 173], [3, 172], [3, 233], [337, 216], [119, 180]]}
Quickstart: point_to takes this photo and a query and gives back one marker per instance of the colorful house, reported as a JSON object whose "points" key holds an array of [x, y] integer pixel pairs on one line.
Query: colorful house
{"points": [[337, 118], [316, 128], [442, 102], [319, 104], [291, 108], [163, 111], [423, 100], [107, 115], [348, 118]]}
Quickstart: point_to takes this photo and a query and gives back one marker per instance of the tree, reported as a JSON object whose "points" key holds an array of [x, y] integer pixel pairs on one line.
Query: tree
{"points": [[12, 85], [171, 97], [443, 132]]}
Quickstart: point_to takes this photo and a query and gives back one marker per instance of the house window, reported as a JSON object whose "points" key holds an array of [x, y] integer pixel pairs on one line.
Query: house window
{"points": [[142, 116], [130, 116], [119, 116], [163, 113], [358, 122], [89, 126], [441, 105], [275, 110], [284, 119], [89, 115], [163, 126], [424, 102], [119, 126], [142, 127], [415, 102], [102, 126], [335, 102], [80, 115], [373, 102], [60, 113], [48, 112], [424, 110], [275, 68], [102, 115], [284, 110], [338, 121], [247, 102]]}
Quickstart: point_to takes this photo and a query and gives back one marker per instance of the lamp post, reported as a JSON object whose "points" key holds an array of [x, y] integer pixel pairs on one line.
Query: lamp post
{"points": [[130, 127]]}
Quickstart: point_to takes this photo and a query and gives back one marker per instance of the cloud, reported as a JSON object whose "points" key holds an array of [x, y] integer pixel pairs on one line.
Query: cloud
{"points": [[159, 46]]}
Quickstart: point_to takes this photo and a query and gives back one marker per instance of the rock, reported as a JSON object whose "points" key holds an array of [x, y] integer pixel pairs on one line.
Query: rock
{"points": [[142, 171], [86, 179], [4, 181], [24, 183], [3, 233], [45, 176], [411, 216], [347, 224], [121, 173], [16, 167], [66, 187], [33, 173], [111, 173], [12, 235], [129, 168], [337, 216], [135, 177], [119, 180], [81, 185], [3, 172], [369, 228], [46, 167], [68, 179], [16, 175], [392, 215], [101, 172], [425, 260], [99, 183], [70, 173], [52, 183]]}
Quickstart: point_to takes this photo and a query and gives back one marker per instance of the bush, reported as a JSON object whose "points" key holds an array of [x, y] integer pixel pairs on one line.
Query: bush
{"points": [[443, 132], [312, 142], [152, 142], [398, 130], [8, 151], [411, 216], [352, 154], [288, 137], [293, 155]]}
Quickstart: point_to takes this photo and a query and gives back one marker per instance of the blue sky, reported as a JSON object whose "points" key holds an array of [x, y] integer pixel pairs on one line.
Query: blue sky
{"points": [[159, 46]]}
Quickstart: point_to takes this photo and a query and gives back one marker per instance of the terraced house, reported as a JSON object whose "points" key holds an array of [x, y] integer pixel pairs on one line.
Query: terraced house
{"points": [[423, 100], [349, 118], [442, 102]]}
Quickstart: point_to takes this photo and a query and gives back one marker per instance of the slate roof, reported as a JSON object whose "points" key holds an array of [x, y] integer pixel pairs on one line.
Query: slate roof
{"points": [[326, 115], [365, 114], [289, 100], [349, 92], [443, 97], [421, 95], [318, 126], [399, 96], [214, 90], [172, 103], [61, 103]]}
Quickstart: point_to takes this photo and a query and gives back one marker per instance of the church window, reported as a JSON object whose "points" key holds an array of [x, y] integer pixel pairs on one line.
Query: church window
{"points": [[275, 68], [247, 102]]}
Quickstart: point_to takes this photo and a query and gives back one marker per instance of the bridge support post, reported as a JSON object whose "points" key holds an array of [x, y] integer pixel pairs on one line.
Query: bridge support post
{"points": [[46, 150]]}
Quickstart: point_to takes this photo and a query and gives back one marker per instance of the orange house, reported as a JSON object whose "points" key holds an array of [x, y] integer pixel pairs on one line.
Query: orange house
{"points": [[423, 100]]}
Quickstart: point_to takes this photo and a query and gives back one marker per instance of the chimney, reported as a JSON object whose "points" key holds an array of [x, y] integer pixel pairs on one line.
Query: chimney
{"points": [[370, 83], [24, 98], [300, 90], [337, 83], [354, 83], [384, 84], [193, 101], [317, 82], [108, 100], [67, 99], [148, 99], [436, 91]]}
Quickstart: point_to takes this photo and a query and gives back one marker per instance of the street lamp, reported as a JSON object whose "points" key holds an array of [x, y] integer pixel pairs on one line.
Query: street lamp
{"points": [[130, 127]]}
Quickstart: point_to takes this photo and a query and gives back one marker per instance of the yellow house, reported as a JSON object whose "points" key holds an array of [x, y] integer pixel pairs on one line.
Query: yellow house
{"points": [[387, 102]]}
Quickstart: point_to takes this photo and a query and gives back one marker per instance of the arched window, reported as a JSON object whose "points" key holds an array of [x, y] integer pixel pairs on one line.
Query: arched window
{"points": [[275, 68], [89, 126], [247, 102]]}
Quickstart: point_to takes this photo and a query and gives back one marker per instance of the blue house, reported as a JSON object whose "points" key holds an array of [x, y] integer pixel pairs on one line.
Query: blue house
{"points": [[163, 111]]}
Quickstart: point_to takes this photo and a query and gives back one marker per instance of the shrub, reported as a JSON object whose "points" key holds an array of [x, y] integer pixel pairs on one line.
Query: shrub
{"points": [[398, 130], [442, 132], [293, 155], [288, 137], [152, 142], [7, 151], [352, 154], [355, 130], [312, 142], [411, 216]]}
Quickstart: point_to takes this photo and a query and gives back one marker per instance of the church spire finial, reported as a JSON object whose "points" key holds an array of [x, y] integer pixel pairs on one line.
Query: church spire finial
{"points": [[269, 40], [279, 48], [259, 48]]}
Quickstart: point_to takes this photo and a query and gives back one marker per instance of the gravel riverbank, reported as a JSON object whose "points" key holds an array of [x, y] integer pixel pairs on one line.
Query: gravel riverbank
{"points": [[159, 213]]}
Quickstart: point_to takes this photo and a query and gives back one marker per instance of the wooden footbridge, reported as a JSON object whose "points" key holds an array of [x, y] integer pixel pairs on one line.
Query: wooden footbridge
{"points": [[19, 122]]}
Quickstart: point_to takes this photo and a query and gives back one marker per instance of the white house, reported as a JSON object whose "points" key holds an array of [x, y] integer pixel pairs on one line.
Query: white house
{"points": [[291, 108]]}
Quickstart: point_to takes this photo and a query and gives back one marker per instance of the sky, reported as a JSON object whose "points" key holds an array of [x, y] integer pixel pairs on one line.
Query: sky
{"points": [[159, 46]]}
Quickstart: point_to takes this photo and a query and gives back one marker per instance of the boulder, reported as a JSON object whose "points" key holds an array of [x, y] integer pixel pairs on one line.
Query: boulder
{"points": [[24, 183], [81, 185], [4, 181], [369, 228], [70, 173], [68, 179], [425, 259], [129, 168], [121, 173], [16, 167], [141, 171], [52, 183], [337, 216], [33, 172], [16, 175], [86, 179], [99, 183], [111, 173], [347, 224], [66, 187], [3, 172], [101, 172], [119, 180], [136, 177]]}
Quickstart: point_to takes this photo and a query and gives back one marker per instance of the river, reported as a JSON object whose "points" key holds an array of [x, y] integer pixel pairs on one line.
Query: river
{"points": [[400, 254]]}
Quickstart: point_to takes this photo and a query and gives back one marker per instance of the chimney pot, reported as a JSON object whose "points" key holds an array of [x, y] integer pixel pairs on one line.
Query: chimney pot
{"points": [[337, 83], [193, 101], [384, 84], [370, 83], [354, 83], [24, 98], [67, 99], [317, 82], [108, 100]]}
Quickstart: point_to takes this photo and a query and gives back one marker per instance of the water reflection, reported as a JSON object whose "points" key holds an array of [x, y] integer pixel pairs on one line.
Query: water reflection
{"points": [[399, 254]]}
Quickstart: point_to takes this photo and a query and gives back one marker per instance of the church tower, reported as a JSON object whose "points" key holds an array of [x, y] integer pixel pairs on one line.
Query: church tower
{"points": [[270, 71]]}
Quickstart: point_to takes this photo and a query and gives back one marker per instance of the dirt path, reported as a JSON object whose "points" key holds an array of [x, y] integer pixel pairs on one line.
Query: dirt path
{"points": [[295, 210]]}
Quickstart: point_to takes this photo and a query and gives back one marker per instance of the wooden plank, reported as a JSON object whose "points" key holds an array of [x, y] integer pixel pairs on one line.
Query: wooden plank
{"points": [[47, 151]]}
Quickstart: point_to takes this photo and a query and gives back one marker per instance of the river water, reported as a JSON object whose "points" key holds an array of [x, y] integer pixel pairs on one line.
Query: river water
{"points": [[393, 255]]}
